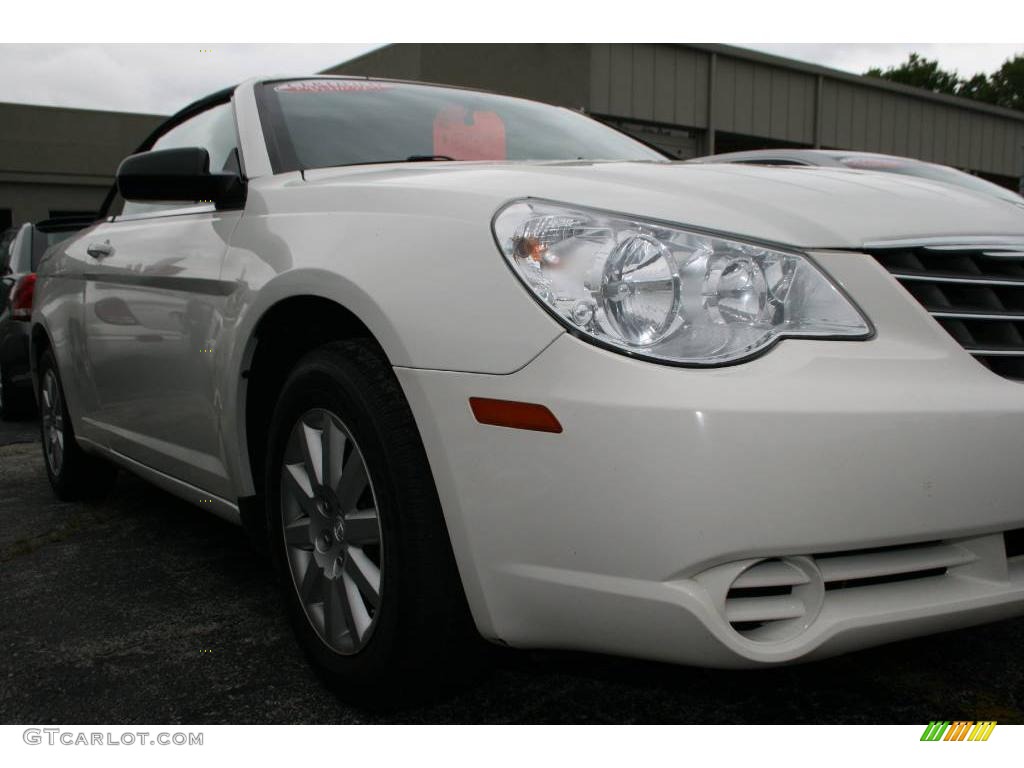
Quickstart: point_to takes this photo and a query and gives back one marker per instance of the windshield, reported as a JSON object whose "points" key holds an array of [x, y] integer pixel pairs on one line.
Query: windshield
{"points": [[932, 172], [328, 122]]}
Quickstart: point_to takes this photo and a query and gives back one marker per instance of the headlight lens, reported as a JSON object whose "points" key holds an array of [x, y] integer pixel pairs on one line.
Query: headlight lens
{"points": [[660, 291]]}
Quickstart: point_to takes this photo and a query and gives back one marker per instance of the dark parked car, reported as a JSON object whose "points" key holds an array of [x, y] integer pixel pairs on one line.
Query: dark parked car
{"points": [[866, 161], [6, 238], [18, 263]]}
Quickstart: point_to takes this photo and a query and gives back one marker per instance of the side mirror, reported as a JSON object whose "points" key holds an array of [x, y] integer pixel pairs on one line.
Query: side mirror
{"points": [[178, 174]]}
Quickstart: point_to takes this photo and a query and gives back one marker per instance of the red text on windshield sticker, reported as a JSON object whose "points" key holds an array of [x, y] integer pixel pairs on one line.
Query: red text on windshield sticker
{"points": [[332, 86], [464, 136]]}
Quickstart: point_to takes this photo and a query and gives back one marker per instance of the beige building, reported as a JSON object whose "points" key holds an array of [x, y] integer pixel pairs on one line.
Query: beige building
{"points": [[55, 160], [693, 99], [688, 99]]}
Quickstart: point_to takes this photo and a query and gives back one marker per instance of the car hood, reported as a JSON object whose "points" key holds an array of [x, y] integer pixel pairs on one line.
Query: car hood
{"points": [[802, 207]]}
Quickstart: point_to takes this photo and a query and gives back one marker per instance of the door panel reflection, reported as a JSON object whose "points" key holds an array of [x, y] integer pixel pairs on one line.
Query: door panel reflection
{"points": [[153, 315]]}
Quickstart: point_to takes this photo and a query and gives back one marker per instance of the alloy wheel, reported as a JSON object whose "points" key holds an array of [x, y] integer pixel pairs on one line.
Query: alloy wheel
{"points": [[332, 533], [52, 416]]}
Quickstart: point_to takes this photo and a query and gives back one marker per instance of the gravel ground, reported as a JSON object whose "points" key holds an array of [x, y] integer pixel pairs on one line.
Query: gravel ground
{"points": [[147, 610]]}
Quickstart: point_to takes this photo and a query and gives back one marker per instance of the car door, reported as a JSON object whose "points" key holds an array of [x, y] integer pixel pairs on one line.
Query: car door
{"points": [[153, 303]]}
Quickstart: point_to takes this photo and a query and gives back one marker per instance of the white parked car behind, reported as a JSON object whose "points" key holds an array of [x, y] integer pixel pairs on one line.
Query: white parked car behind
{"points": [[472, 364], [866, 161]]}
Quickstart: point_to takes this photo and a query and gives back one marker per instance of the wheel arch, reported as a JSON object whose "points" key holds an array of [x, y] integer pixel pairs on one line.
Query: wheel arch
{"points": [[288, 315], [284, 332]]}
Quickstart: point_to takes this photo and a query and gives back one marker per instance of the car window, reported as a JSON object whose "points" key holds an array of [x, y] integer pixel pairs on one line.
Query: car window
{"points": [[214, 130], [321, 123]]}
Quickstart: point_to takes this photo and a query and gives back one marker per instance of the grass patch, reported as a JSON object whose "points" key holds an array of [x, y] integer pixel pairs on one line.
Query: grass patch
{"points": [[76, 522]]}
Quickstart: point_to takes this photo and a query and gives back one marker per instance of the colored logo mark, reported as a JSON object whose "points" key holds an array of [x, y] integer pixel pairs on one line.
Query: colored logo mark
{"points": [[960, 730]]}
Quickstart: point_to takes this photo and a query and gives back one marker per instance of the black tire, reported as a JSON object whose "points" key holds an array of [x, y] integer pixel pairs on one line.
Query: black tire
{"points": [[79, 475], [15, 402], [422, 628]]}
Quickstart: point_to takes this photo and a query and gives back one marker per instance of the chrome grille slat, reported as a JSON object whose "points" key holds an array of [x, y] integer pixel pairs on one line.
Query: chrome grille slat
{"points": [[936, 277], [1008, 252], [973, 287], [976, 315], [1003, 254]]}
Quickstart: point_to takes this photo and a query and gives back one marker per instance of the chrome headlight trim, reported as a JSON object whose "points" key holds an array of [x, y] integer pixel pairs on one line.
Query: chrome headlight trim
{"points": [[499, 232]]}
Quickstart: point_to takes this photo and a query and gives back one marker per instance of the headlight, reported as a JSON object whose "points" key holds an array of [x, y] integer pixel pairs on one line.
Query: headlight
{"points": [[663, 292]]}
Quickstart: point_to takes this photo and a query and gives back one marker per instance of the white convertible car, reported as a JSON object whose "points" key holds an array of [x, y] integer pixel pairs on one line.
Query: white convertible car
{"points": [[471, 364]]}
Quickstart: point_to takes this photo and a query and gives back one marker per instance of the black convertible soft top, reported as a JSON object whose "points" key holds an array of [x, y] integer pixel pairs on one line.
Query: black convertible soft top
{"points": [[224, 94]]}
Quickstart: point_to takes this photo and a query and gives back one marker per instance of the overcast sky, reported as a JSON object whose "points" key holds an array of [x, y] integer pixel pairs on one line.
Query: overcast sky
{"points": [[162, 78], [967, 59], [158, 79]]}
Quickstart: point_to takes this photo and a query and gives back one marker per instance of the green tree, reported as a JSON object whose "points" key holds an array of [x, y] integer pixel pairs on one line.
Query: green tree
{"points": [[920, 73], [978, 88], [1004, 87], [1007, 84]]}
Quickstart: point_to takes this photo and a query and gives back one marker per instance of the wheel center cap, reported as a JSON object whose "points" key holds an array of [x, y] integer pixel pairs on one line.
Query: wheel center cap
{"points": [[324, 542], [339, 529]]}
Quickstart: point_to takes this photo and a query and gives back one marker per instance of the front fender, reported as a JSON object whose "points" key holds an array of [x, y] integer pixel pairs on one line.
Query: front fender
{"points": [[451, 306]]}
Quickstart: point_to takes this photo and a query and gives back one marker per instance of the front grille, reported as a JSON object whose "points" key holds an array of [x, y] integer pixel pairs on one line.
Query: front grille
{"points": [[973, 287], [776, 598]]}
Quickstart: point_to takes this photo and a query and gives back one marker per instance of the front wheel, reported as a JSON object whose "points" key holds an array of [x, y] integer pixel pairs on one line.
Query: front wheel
{"points": [[356, 527]]}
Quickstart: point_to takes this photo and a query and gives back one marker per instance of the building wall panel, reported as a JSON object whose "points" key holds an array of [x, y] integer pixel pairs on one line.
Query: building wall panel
{"points": [[802, 105], [845, 114], [620, 81], [987, 138], [757, 96], [643, 82], [724, 102], [658, 83], [762, 104], [664, 84], [693, 70], [743, 97], [901, 127], [931, 131], [779, 107], [600, 78]]}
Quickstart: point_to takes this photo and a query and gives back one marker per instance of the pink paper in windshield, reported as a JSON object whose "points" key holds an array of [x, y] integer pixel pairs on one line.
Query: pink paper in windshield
{"points": [[464, 136]]}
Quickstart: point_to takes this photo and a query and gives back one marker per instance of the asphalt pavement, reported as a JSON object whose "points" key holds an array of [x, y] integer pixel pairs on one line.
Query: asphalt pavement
{"points": [[144, 609]]}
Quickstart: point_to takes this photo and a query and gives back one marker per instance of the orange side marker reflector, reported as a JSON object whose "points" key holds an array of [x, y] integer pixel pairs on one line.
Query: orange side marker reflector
{"points": [[510, 413]]}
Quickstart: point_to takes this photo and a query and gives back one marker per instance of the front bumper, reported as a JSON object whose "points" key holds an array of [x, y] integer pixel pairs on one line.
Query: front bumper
{"points": [[626, 533]]}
